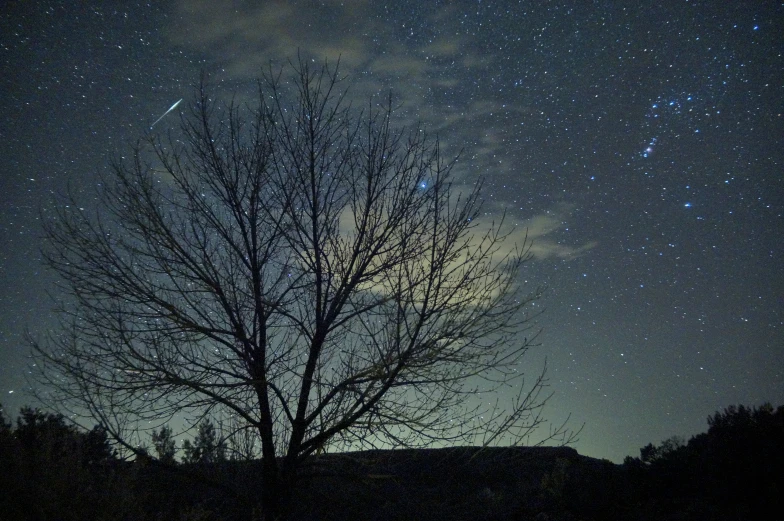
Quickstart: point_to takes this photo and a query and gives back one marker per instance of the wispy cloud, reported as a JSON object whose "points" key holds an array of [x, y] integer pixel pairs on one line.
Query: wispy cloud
{"points": [[426, 77], [539, 233]]}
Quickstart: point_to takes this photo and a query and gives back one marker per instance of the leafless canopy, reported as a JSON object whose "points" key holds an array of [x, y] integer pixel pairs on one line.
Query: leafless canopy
{"points": [[302, 268]]}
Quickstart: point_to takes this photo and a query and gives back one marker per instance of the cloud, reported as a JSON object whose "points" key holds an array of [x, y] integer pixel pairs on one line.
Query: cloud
{"points": [[246, 38], [237, 43], [427, 76], [537, 233]]}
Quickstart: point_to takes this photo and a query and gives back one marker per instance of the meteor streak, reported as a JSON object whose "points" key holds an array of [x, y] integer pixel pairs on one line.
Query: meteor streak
{"points": [[164, 114]]}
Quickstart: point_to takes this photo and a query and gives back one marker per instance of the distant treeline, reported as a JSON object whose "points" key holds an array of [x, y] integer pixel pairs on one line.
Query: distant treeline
{"points": [[733, 471], [50, 469]]}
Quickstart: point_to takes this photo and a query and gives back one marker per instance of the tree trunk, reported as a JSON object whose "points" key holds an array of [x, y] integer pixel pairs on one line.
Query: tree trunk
{"points": [[271, 491], [277, 489]]}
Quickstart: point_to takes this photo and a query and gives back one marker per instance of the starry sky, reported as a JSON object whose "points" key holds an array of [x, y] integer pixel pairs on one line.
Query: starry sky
{"points": [[639, 143]]}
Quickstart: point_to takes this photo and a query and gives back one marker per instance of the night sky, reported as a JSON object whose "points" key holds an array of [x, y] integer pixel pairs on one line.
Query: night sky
{"points": [[640, 143]]}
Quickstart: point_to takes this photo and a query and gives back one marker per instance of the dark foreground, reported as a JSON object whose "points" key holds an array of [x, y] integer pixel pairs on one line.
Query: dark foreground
{"points": [[733, 472]]}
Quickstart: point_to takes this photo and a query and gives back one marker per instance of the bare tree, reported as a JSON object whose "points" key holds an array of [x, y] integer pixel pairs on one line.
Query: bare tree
{"points": [[305, 269]]}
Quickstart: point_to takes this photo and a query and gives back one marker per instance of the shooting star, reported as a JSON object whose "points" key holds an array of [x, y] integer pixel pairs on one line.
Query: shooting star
{"points": [[164, 114]]}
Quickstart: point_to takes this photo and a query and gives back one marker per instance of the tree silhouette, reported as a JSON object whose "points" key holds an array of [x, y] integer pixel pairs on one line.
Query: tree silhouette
{"points": [[736, 466], [302, 268], [206, 447], [50, 469], [165, 446], [51, 437]]}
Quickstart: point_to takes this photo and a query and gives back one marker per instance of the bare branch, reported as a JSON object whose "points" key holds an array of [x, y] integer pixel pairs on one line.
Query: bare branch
{"points": [[302, 270]]}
